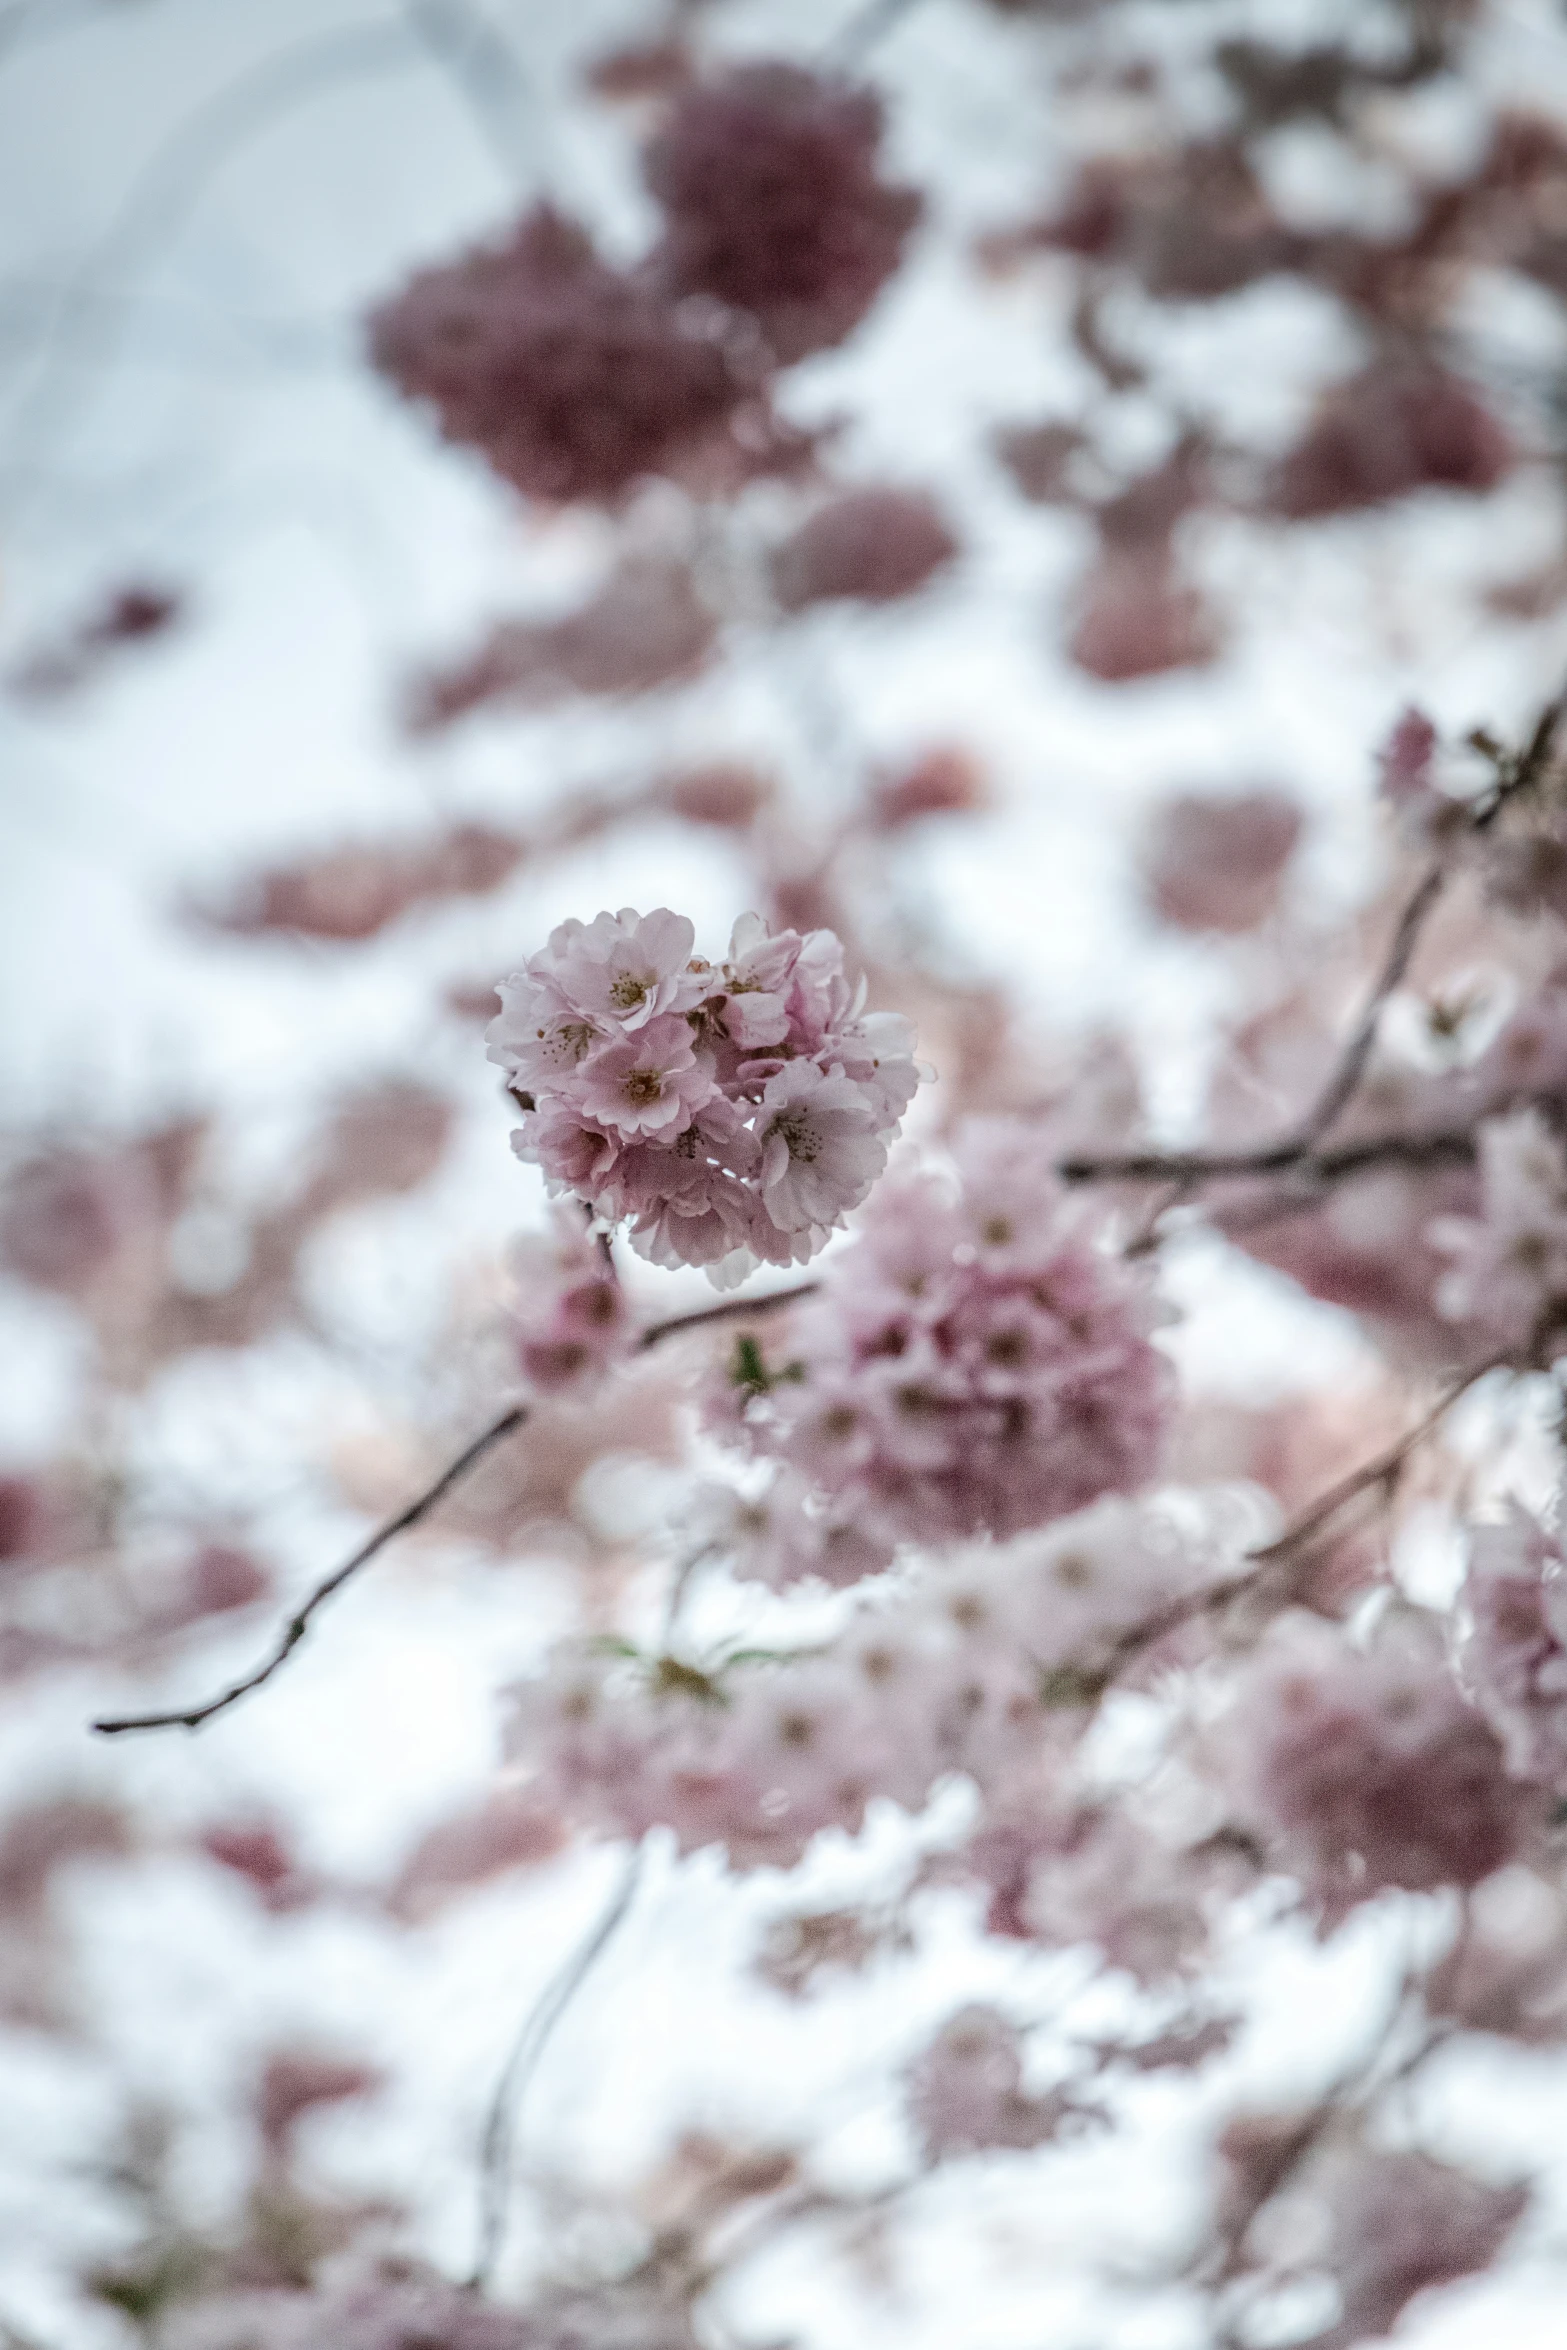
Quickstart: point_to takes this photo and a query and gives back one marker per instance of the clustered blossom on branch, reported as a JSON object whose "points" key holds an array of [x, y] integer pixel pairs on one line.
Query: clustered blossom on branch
{"points": [[970, 1671], [575, 379], [1513, 1654], [977, 1361], [966, 2090], [768, 182], [733, 1113], [1367, 1767], [571, 377], [1509, 1265], [569, 1318]]}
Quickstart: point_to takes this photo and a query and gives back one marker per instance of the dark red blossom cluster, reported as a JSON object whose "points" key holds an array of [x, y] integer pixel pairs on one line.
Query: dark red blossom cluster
{"points": [[768, 182], [572, 378]]}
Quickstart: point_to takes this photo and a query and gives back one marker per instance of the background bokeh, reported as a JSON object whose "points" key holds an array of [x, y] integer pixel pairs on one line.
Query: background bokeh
{"points": [[199, 202]]}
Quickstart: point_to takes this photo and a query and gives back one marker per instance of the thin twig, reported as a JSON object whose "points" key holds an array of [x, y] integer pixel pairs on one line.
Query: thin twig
{"points": [[485, 70], [500, 2125], [1352, 1065], [733, 1309], [1216, 1596], [193, 1717], [164, 191], [1297, 1152], [1435, 1146], [851, 47], [1374, 1472]]}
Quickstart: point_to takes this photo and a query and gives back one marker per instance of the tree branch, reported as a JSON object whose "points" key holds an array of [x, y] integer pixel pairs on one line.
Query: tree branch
{"points": [[851, 47], [1352, 1065], [1296, 1152], [500, 2123], [1437, 1146], [1376, 1471], [294, 1631], [733, 1309], [1215, 1596]]}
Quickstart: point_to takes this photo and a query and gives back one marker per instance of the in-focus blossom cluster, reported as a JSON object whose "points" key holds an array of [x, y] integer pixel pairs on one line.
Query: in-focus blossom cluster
{"points": [[965, 1673], [733, 1113], [977, 1361]]}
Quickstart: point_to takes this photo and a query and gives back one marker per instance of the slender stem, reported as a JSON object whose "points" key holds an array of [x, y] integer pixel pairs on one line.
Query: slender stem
{"points": [[1296, 1152], [1215, 1596], [298, 1624], [852, 46], [486, 72], [1436, 1146], [1374, 1472], [500, 2124], [733, 1309], [1352, 1066]]}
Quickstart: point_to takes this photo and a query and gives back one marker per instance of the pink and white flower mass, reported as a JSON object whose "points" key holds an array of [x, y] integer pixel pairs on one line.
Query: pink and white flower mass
{"points": [[732, 1114]]}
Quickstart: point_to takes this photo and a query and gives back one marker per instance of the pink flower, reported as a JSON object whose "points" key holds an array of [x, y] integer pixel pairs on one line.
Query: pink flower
{"points": [[821, 1149], [734, 1116], [1513, 1654], [1369, 1767], [570, 1314], [622, 970], [975, 1362], [538, 1036], [767, 179], [1509, 1267], [876, 544], [1398, 2224], [647, 1083], [966, 2090], [574, 379]]}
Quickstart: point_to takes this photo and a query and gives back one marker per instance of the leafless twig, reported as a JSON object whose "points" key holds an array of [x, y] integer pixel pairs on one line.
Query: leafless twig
{"points": [[1352, 1064], [298, 1624], [733, 1309], [500, 2125], [1374, 1472], [1296, 1152], [851, 47]]}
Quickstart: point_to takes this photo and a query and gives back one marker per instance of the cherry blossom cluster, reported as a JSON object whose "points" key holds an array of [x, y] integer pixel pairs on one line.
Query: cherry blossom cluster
{"points": [[576, 379], [964, 1673], [1509, 1265], [966, 2091], [569, 1318], [572, 378], [977, 1362], [1367, 1768], [733, 1113], [1513, 1652], [768, 181]]}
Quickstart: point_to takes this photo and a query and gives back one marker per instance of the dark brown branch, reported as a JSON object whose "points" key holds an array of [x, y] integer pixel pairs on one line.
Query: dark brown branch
{"points": [[298, 1624], [1435, 1146], [733, 1309], [1296, 1152], [1438, 1146]]}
